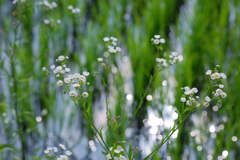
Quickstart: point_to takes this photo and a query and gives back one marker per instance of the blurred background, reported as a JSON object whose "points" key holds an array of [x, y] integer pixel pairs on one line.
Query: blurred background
{"points": [[34, 114]]}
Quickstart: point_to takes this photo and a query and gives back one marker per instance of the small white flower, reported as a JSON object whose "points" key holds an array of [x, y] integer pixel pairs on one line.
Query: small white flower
{"points": [[219, 91], [216, 94], [54, 4], [59, 21], [62, 72], [223, 95], [72, 94], [44, 69], [187, 88], [221, 86], [49, 148], [71, 76], [217, 75], [62, 146], [183, 99], [58, 69], [114, 43], [212, 76], [82, 78], [70, 7], [68, 153], [164, 64], [112, 50], [57, 75], [85, 73], [76, 85], [194, 90], [100, 59], [46, 151], [159, 60], [105, 39], [223, 76], [85, 94], [76, 75], [60, 83], [209, 72], [118, 49], [67, 70], [197, 97], [162, 40], [156, 41], [174, 54], [55, 149], [61, 58], [157, 36], [188, 92], [188, 103], [108, 156], [122, 158], [67, 80], [207, 99], [52, 67], [77, 10], [63, 157], [46, 21]]}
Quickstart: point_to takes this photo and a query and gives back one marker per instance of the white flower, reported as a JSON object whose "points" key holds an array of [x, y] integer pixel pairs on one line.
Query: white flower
{"points": [[49, 148], [67, 80], [105, 39], [59, 21], [55, 149], [46, 21], [76, 85], [223, 95], [197, 97], [46, 151], [52, 67], [77, 10], [114, 43], [187, 88], [108, 156], [85, 73], [221, 86], [164, 64], [209, 72], [122, 158], [57, 75], [219, 91], [223, 76], [207, 99], [174, 54], [82, 79], [67, 70], [70, 76], [188, 103], [118, 49], [54, 4], [70, 7], [188, 92], [159, 60], [162, 40], [183, 99], [76, 75], [63, 157], [68, 153], [60, 83], [194, 90], [216, 94], [112, 50], [113, 39], [62, 71], [85, 94], [156, 41], [58, 69], [72, 94], [212, 76], [217, 75], [61, 58], [157, 36], [61, 145], [100, 59], [44, 69]]}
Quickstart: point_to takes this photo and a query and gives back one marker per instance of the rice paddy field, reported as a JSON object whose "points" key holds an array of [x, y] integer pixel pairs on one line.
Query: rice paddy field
{"points": [[153, 79]]}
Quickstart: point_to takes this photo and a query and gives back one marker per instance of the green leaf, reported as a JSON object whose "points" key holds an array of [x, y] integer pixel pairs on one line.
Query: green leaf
{"points": [[7, 147], [137, 154]]}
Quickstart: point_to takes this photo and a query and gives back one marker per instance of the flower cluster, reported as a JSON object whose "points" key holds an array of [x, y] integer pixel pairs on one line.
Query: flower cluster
{"points": [[173, 58], [188, 95], [111, 44], [52, 151], [74, 10], [116, 154], [52, 22], [189, 98], [48, 5], [69, 81], [157, 40]]}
